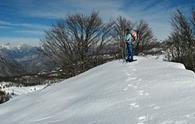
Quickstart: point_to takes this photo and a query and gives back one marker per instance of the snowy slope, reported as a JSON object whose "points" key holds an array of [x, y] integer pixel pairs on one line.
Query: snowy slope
{"points": [[147, 91], [22, 90]]}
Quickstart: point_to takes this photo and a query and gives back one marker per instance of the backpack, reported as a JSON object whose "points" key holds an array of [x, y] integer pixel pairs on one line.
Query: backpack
{"points": [[134, 35]]}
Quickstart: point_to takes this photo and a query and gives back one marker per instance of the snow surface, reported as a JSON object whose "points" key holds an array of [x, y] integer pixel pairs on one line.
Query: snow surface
{"points": [[22, 90], [147, 91]]}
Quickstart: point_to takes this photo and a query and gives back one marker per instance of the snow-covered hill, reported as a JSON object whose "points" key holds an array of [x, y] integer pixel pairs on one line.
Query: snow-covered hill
{"points": [[15, 90], [147, 91]]}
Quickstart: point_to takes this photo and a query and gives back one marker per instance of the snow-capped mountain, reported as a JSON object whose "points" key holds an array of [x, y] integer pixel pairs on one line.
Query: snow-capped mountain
{"points": [[147, 91], [24, 57], [15, 52]]}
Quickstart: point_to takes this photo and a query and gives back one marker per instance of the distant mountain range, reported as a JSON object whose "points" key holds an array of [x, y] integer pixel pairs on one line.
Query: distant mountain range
{"points": [[20, 59]]}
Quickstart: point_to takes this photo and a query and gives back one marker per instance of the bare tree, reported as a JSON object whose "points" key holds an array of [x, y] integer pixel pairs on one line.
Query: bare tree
{"points": [[77, 41], [182, 39], [120, 26], [144, 36], [4, 97]]}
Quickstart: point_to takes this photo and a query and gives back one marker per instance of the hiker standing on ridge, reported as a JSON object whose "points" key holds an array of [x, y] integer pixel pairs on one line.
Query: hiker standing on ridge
{"points": [[129, 38]]}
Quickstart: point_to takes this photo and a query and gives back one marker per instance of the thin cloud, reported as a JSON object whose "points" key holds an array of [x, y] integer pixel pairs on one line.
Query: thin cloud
{"points": [[32, 26], [4, 23], [14, 41], [151, 11], [156, 12], [30, 33], [24, 25], [56, 10]]}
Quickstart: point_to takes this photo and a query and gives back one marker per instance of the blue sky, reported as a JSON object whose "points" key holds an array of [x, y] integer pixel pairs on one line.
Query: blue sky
{"points": [[24, 21]]}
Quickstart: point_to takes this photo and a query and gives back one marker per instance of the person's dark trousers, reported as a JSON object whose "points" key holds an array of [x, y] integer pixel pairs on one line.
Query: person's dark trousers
{"points": [[129, 52]]}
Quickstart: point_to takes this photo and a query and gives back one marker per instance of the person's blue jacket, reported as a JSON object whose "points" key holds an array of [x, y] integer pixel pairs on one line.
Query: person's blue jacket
{"points": [[129, 46], [128, 39]]}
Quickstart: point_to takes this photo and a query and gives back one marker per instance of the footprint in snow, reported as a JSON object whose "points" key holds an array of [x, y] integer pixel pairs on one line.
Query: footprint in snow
{"points": [[135, 87], [154, 107], [130, 85], [134, 105], [142, 119], [142, 92], [129, 74], [146, 94], [130, 79], [190, 115], [125, 89]]}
